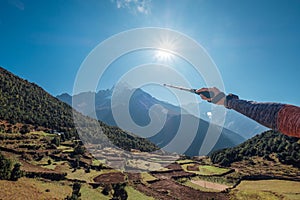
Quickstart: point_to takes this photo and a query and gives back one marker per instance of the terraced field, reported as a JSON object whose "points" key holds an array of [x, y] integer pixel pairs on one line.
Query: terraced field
{"points": [[267, 189], [50, 172]]}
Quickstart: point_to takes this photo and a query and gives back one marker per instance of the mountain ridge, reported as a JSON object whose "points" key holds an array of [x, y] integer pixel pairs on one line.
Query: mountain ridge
{"points": [[139, 105], [233, 120], [29, 104]]}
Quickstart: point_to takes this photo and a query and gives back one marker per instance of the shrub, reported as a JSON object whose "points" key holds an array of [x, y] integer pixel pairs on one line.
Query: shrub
{"points": [[16, 172]]}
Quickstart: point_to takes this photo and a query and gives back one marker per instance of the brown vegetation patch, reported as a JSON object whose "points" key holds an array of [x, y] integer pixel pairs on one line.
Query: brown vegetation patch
{"points": [[26, 188], [133, 177], [194, 167], [173, 189], [27, 167], [110, 178], [152, 192], [33, 171], [172, 174], [174, 166]]}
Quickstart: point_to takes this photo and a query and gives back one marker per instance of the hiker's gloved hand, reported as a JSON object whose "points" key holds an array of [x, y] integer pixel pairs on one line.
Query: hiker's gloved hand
{"points": [[218, 98]]}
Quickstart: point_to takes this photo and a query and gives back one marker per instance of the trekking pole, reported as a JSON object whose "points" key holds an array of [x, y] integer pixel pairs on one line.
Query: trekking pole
{"points": [[205, 93]]}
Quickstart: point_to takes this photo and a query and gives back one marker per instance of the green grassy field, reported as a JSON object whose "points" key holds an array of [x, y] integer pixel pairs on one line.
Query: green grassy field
{"points": [[80, 174], [42, 133], [87, 192], [44, 163], [214, 179], [65, 149], [184, 161], [267, 189], [147, 177], [211, 170], [53, 165], [134, 194], [206, 169], [96, 162]]}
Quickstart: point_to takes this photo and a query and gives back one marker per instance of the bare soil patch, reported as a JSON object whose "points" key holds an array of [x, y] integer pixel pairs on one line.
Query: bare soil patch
{"points": [[174, 189], [194, 167], [172, 174], [174, 166], [152, 192], [210, 185]]}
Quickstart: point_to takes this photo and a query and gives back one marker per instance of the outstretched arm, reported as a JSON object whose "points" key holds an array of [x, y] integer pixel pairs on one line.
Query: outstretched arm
{"points": [[281, 117]]}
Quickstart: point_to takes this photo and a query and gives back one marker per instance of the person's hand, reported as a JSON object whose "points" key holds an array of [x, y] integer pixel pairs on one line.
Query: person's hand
{"points": [[218, 98]]}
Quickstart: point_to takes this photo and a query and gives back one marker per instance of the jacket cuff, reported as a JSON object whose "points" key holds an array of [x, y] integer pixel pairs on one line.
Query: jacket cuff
{"points": [[229, 99]]}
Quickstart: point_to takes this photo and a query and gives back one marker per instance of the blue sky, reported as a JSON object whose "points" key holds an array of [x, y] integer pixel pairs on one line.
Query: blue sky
{"points": [[255, 44]]}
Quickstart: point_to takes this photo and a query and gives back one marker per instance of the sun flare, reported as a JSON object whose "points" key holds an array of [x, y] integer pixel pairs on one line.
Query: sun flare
{"points": [[161, 55]]}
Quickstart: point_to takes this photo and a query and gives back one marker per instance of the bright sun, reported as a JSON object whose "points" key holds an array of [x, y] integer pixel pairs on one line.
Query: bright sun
{"points": [[161, 55]]}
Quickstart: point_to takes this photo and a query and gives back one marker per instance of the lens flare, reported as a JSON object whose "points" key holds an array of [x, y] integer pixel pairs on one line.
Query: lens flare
{"points": [[161, 55]]}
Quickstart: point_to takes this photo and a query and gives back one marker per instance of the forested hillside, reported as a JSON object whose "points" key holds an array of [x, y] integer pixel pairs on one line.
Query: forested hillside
{"points": [[27, 103], [286, 149]]}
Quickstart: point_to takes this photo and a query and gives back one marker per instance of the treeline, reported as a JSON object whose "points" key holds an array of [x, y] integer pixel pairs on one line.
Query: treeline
{"points": [[27, 103], [286, 149]]}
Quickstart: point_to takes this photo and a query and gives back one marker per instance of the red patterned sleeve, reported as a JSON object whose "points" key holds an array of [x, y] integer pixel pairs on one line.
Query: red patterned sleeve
{"points": [[288, 120], [279, 117]]}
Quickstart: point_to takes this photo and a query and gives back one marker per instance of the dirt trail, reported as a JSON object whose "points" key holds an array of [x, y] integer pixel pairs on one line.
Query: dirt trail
{"points": [[210, 185]]}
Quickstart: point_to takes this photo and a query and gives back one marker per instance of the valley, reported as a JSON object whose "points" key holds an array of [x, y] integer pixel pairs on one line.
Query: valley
{"points": [[50, 171]]}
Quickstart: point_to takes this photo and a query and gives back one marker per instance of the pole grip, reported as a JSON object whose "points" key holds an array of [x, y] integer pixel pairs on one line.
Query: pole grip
{"points": [[205, 93]]}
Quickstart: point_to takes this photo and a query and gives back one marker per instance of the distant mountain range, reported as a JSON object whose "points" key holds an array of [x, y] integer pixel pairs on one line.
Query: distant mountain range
{"points": [[234, 121], [139, 105]]}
